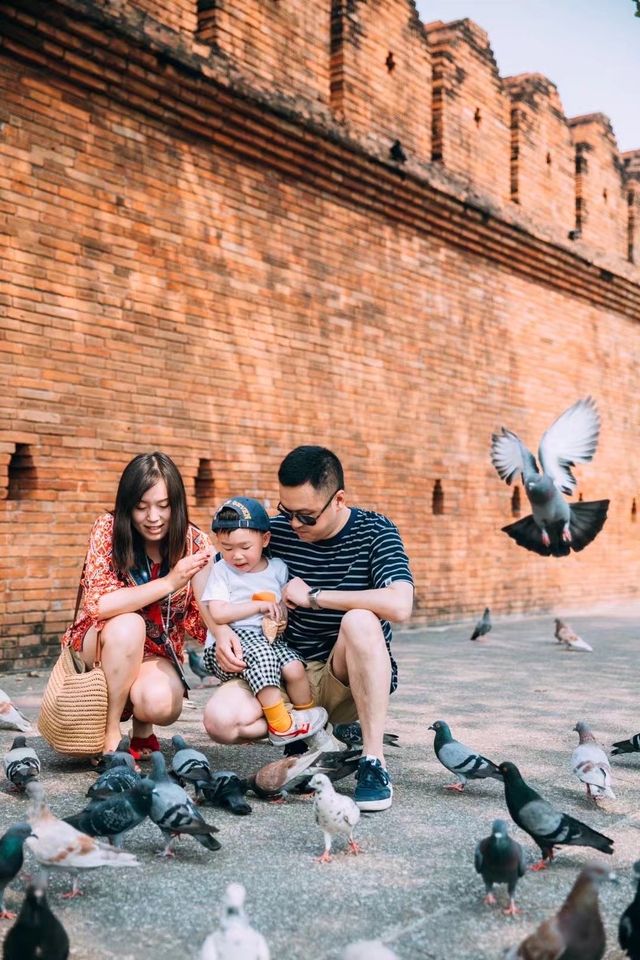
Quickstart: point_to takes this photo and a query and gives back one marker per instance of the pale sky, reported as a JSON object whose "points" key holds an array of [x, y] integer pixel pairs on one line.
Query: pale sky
{"points": [[590, 49]]}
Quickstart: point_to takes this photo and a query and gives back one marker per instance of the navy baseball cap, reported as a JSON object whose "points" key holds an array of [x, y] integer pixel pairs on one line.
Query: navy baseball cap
{"points": [[249, 515]]}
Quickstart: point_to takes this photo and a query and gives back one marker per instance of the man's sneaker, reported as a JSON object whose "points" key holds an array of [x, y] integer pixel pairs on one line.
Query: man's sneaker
{"points": [[374, 790], [304, 724]]}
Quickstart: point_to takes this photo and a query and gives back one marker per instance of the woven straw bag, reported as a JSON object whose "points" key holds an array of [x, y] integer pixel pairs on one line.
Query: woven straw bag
{"points": [[73, 714]]}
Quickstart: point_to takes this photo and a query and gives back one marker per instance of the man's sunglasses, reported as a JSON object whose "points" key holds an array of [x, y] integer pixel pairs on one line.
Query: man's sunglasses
{"points": [[305, 518]]}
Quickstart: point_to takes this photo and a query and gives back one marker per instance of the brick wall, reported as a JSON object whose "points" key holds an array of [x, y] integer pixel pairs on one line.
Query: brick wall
{"points": [[190, 271], [601, 197]]}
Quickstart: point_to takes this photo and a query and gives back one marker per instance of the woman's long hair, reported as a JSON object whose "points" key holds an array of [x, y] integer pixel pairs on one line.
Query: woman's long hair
{"points": [[137, 477]]}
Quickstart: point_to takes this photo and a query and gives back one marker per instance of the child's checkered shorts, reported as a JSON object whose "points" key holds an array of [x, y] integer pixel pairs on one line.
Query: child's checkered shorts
{"points": [[264, 660]]}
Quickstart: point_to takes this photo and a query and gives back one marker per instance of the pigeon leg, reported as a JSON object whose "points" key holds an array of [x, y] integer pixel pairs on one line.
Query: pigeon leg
{"points": [[511, 910], [458, 787], [490, 900], [566, 533], [74, 892], [543, 863], [353, 847], [168, 851], [545, 538], [326, 855]]}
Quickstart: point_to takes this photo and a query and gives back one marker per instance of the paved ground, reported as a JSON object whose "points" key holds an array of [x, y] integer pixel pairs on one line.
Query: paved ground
{"points": [[515, 696]]}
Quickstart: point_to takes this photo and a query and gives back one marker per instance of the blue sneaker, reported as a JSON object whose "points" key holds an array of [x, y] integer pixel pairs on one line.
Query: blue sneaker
{"points": [[374, 790]]}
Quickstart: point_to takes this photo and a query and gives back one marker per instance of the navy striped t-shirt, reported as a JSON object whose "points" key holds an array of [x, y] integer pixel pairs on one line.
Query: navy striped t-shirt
{"points": [[366, 554]]}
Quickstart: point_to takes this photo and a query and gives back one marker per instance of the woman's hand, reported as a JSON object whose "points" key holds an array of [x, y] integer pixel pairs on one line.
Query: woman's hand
{"points": [[229, 651], [185, 569]]}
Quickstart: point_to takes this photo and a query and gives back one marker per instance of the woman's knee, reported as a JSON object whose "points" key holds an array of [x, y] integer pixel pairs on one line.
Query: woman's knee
{"points": [[160, 707], [127, 631]]}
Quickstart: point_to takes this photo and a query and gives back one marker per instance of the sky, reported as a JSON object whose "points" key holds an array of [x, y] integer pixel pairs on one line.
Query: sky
{"points": [[590, 49]]}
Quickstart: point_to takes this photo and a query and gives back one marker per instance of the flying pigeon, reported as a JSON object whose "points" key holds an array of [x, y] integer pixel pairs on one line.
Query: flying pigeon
{"points": [[351, 735], [555, 527], [56, 844], [368, 950], [11, 859], [632, 745], [576, 930], [274, 779], [566, 635], [10, 716], [189, 765], [629, 927], [37, 933], [544, 824], [499, 859], [236, 939], [174, 812], [116, 814], [21, 764], [196, 664], [590, 764], [483, 625], [226, 790], [335, 814], [460, 760]]}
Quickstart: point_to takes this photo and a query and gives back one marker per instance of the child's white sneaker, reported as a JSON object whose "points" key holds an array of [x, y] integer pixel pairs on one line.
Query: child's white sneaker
{"points": [[304, 724]]}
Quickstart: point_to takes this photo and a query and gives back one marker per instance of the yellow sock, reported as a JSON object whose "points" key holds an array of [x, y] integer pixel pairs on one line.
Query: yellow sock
{"points": [[278, 717], [304, 706]]}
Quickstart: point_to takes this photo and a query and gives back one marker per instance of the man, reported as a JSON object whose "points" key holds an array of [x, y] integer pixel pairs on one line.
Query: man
{"points": [[350, 577]]}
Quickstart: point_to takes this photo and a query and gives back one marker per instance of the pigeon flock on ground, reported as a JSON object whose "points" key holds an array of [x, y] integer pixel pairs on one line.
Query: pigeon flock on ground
{"points": [[173, 792]]}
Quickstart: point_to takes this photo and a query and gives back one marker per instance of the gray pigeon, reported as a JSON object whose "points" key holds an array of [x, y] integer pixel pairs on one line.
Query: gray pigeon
{"points": [[632, 745], [226, 790], [37, 934], [21, 764], [114, 780], [351, 735], [590, 764], [197, 667], [335, 814], [174, 812], [464, 762], [236, 939], [483, 626], [555, 527], [115, 814], [499, 859], [190, 765]]}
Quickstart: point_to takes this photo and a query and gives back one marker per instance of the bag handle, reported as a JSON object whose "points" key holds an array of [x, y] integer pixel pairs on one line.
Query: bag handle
{"points": [[96, 660]]}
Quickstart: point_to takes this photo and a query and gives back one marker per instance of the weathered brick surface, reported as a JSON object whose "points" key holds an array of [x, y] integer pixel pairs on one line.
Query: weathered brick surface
{"points": [[601, 197], [631, 161], [542, 153], [187, 269], [471, 113]]}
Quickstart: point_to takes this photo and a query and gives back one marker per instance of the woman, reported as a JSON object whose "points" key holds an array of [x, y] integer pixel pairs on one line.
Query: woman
{"points": [[141, 589]]}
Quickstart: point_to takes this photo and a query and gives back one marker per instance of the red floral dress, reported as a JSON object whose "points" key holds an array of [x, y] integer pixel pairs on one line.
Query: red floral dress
{"points": [[100, 578]]}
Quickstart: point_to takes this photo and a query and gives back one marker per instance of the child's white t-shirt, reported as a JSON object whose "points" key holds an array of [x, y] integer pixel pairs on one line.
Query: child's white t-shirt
{"points": [[225, 583]]}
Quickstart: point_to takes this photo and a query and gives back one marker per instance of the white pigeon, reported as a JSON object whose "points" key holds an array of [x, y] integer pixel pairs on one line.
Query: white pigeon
{"points": [[567, 635], [368, 950], [10, 716], [56, 844], [590, 764], [236, 939], [21, 764], [335, 814]]}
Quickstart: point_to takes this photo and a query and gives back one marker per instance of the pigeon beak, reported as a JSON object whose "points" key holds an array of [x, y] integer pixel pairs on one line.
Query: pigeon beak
{"points": [[431, 727]]}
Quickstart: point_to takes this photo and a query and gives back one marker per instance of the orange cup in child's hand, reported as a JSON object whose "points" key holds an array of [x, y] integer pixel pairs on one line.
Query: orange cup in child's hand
{"points": [[265, 595]]}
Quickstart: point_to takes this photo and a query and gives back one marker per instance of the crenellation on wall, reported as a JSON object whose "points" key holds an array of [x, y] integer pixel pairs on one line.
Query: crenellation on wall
{"points": [[471, 113], [381, 75], [631, 161], [601, 195], [542, 153]]}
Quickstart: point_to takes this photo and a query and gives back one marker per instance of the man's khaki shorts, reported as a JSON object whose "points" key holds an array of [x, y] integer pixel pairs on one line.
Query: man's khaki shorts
{"points": [[327, 690]]}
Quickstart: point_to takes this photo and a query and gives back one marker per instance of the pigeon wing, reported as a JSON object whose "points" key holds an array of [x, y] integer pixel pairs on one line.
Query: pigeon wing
{"points": [[571, 438], [510, 457]]}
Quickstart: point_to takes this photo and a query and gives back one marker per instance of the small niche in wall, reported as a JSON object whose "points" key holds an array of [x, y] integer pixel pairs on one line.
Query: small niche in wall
{"points": [[437, 499], [477, 116], [390, 63], [205, 487], [634, 510], [548, 159], [516, 509], [22, 478]]}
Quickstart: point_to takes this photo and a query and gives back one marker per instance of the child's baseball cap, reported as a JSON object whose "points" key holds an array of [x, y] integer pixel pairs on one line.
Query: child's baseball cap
{"points": [[249, 515]]}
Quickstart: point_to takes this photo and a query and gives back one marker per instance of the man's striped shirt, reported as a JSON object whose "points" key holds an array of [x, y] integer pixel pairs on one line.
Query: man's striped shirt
{"points": [[366, 554]]}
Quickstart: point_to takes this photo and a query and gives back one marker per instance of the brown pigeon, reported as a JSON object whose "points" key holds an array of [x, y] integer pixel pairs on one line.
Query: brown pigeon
{"points": [[566, 634], [576, 931], [272, 780]]}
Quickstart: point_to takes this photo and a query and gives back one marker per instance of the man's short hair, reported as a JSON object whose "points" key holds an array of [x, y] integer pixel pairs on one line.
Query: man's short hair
{"points": [[315, 465]]}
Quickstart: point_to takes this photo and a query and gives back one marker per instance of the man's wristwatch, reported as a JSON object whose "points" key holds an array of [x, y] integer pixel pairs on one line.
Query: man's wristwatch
{"points": [[313, 598]]}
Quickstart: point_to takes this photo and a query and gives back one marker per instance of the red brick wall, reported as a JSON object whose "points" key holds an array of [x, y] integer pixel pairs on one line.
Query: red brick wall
{"points": [[471, 124], [601, 194], [180, 15], [226, 299], [542, 153]]}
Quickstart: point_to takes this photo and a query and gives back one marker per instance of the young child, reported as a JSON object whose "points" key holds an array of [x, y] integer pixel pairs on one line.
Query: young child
{"points": [[244, 588]]}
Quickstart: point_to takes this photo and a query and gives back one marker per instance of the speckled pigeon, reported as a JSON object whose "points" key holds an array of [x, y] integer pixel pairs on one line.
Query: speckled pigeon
{"points": [[174, 812], [590, 764], [465, 763], [544, 824], [37, 934], [499, 859], [629, 926], [576, 932], [555, 527], [335, 814], [11, 860], [21, 764]]}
